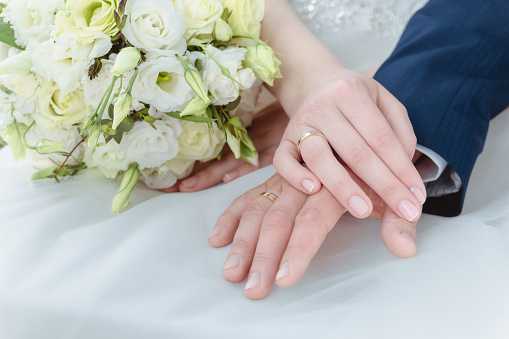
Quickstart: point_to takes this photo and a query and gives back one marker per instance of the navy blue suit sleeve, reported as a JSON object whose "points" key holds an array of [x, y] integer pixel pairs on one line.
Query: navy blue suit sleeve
{"points": [[451, 71]]}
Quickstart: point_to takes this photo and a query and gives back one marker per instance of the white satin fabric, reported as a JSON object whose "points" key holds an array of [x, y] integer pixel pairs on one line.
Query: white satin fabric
{"points": [[71, 269]]}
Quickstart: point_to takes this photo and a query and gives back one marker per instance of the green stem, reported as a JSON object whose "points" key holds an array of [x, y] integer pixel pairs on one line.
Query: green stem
{"points": [[131, 81], [23, 138]]}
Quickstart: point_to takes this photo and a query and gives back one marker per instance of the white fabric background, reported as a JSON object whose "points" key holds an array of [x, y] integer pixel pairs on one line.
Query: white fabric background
{"points": [[71, 269]]}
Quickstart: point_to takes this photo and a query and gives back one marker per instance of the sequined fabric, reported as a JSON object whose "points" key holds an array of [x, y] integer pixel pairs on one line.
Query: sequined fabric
{"points": [[383, 17]]}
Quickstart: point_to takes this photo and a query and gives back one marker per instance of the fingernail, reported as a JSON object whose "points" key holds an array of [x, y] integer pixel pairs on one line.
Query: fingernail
{"points": [[230, 176], [308, 185], [215, 231], [283, 271], [253, 281], [232, 262], [408, 210], [190, 182], [418, 194], [408, 236], [358, 205]]}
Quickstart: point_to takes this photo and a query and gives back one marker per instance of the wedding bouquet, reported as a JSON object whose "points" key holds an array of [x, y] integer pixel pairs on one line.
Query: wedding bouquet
{"points": [[139, 89]]}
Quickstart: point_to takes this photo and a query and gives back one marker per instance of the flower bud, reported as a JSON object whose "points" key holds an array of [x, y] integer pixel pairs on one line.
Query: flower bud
{"points": [[93, 134], [127, 59], [262, 60], [233, 142], [13, 136], [127, 185], [195, 80], [45, 146], [195, 107], [222, 31], [121, 109]]}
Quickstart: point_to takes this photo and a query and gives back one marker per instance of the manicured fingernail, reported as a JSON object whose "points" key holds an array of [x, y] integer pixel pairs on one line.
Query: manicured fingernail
{"points": [[418, 194], [231, 176], [232, 262], [408, 210], [283, 271], [358, 205], [308, 185], [215, 231], [408, 236], [190, 182], [253, 281]]}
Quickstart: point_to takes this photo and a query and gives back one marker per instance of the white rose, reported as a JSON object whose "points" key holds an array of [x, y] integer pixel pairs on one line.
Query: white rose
{"points": [[151, 147], [57, 108], [198, 142], [199, 17], [222, 88], [155, 26], [31, 19], [66, 60], [161, 83], [246, 16], [109, 158]]}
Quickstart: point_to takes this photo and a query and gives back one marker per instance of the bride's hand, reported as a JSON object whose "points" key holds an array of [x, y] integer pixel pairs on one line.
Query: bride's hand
{"points": [[365, 125], [275, 241], [370, 132], [266, 132]]}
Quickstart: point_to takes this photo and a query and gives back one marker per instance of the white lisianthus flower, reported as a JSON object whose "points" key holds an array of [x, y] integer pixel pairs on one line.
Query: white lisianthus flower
{"points": [[94, 89], [223, 88], [199, 17], [246, 16], [57, 108], [66, 60], [85, 18], [16, 76], [31, 19], [198, 142], [5, 50], [108, 158], [161, 83], [150, 147], [155, 26]]}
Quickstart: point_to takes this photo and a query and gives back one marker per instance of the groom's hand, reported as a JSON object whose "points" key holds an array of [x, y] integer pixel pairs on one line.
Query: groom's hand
{"points": [[275, 241]]}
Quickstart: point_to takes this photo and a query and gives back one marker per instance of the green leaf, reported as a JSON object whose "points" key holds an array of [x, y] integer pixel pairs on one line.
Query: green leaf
{"points": [[191, 118], [126, 125], [5, 90], [7, 34], [232, 105]]}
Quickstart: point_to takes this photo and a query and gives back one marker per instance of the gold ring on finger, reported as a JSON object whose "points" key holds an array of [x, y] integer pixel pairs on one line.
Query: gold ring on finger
{"points": [[308, 134], [272, 197]]}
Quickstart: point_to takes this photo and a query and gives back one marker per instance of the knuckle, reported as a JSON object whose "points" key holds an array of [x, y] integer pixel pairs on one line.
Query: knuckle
{"points": [[390, 190], [309, 216], [359, 155], [278, 218], [240, 243], [261, 258], [339, 186], [254, 210], [348, 85], [385, 141]]}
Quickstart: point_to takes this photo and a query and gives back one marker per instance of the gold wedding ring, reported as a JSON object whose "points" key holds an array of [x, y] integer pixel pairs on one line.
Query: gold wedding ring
{"points": [[308, 134], [270, 196]]}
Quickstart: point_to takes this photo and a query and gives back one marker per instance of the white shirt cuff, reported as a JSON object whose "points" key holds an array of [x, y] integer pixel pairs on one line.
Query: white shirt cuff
{"points": [[439, 179], [430, 167]]}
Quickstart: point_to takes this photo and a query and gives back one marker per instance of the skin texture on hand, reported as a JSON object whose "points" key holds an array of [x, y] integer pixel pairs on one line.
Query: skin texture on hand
{"points": [[275, 241], [364, 124]]}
